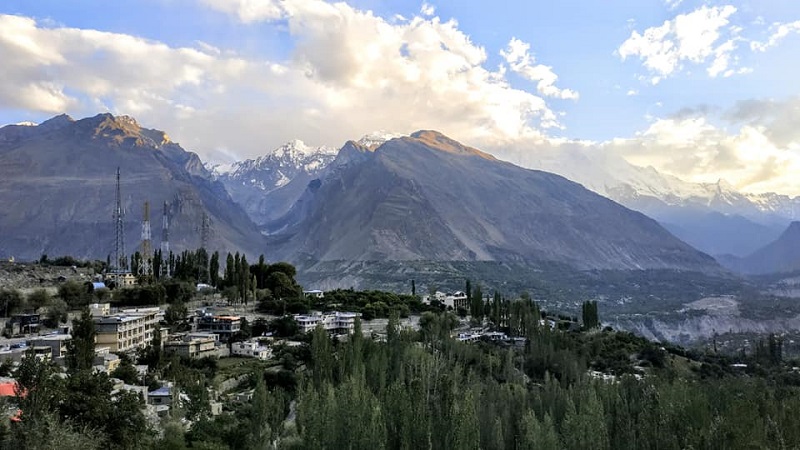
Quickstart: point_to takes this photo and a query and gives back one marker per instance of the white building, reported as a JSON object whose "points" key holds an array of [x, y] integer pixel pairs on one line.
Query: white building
{"points": [[251, 349], [314, 293], [337, 323]]}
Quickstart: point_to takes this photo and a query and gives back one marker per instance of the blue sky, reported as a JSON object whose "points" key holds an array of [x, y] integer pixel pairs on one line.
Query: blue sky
{"points": [[694, 88]]}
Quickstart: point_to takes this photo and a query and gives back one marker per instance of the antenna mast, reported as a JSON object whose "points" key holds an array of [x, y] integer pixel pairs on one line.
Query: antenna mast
{"points": [[146, 267], [165, 242], [120, 263]]}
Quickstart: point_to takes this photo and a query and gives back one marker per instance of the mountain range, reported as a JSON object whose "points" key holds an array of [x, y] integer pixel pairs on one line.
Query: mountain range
{"points": [[382, 197], [712, 217], [427, 197], [779, 256], [57, 186]]}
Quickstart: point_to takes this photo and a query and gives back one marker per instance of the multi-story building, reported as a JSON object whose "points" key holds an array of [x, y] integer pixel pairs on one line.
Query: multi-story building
{"points": [[337, 323], [128, 329], [56, 342], [193, 345], [251, 349], [223, 326]]}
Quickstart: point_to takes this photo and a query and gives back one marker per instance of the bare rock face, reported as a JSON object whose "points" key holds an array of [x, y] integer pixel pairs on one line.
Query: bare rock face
{"points": [[57, 188], [428, 197]]}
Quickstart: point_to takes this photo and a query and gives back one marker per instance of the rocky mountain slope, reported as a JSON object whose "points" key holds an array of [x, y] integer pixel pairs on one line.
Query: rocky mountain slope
{"points": [[57, 186], [284, 172], [779, 256], [427, 197]]}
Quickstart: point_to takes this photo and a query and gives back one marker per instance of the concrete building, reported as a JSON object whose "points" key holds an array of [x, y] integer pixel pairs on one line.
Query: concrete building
{"points": [[100, 309], [193, 345], [56, 342], [251, 349], [314, 294], [223, 326], [128, 329], [337, 323]]}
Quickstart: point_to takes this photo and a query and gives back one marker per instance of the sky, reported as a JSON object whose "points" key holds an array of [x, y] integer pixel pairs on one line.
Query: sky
{"points": [[703, 90]]}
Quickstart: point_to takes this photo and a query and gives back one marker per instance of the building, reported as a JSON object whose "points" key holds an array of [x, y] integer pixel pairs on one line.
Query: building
{"points": [[26, 323], [223, 326], [120, 280], [105, 361], [336, 323], [160, 396], [100, 309], [56, 342], [193, 345], [251, 349], [128, 329], [314, 294]]}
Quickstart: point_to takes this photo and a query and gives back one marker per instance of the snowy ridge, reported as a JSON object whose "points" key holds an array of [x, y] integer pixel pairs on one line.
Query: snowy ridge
{"points": [[377, 138], [614, 177]]}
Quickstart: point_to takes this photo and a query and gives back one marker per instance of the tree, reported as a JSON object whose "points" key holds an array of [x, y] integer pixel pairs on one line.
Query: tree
{"points": [[38, 299], [56, 313], [213, 269], [10, 301], [259, 428], [285, 326], [38, 389], [81, 347], [176, 313], [126, 372], [476, 303], [74, 294], [589, 315]]}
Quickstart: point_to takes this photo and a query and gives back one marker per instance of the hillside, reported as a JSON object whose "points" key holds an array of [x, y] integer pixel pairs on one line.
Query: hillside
{"points": [[57, 185], [779, 256]]}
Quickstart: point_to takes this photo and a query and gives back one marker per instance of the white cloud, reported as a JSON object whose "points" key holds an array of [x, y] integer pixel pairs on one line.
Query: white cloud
{"points": [[779, 32], [691, 148], [517, 55], [632, 92], [672, 4], [688, 38], [427, 9], [350, 72]]}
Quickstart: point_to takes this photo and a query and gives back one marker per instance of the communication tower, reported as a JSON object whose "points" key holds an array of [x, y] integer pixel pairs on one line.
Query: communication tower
{"points": [[165, 242], [146, 267], [120, 263]]}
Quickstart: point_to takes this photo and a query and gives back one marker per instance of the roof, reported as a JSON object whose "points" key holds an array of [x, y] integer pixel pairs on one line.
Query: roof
{"points": [[164, 391], [9, 389]]}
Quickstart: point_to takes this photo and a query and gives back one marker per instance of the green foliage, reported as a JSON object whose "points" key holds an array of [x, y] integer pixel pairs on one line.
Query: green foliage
{"points": [[11, 301], [80, 349], [589, 315], [74, 294], [38, 299], [127, 373], [146, 295]]}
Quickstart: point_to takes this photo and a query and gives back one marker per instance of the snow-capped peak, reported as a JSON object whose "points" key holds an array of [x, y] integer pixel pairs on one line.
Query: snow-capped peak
{"points": [[218, 170], [377, 138], [26, 124], [297, 149]]}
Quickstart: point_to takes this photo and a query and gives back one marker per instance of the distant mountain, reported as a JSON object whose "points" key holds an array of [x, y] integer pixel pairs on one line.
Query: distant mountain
{"points": [[428, 197], [713, 217], [57, 188], [779, 256], [288, 169]]}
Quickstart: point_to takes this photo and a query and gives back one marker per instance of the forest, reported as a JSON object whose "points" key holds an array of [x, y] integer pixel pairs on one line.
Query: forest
{"points": [[590, 389]]}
